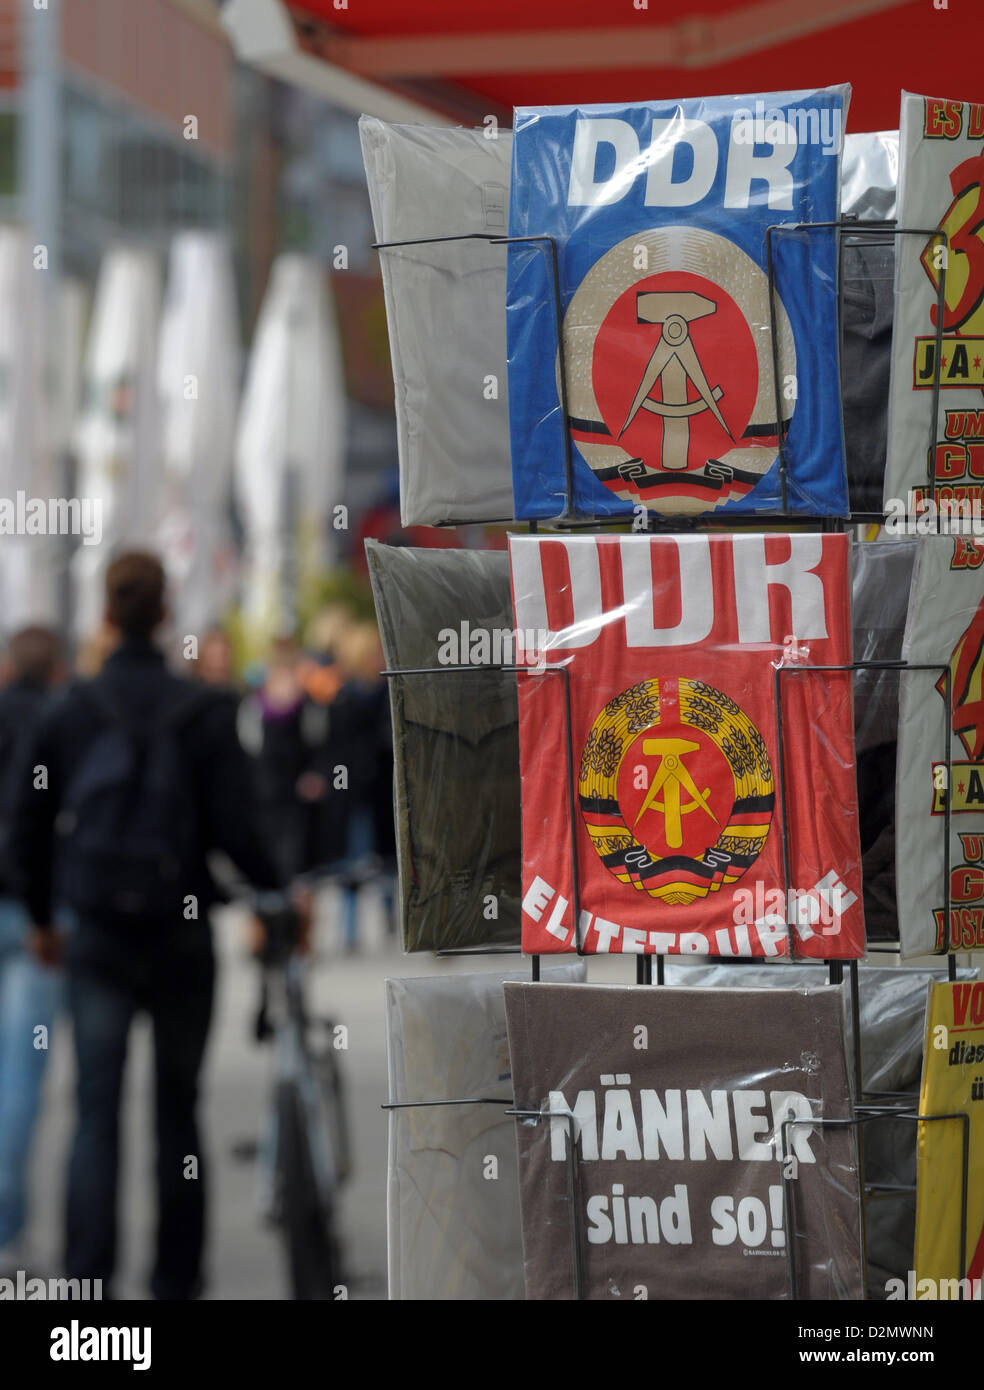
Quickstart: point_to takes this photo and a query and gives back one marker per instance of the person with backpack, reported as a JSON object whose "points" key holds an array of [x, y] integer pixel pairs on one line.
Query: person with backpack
{"points": [[29, 995], [133, 778]]}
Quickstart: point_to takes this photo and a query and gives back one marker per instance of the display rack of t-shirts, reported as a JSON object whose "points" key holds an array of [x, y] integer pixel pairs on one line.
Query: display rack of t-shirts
{"points": [[446, 284], [671, 713], [453, 1223], [423, 597], [455, 743]]}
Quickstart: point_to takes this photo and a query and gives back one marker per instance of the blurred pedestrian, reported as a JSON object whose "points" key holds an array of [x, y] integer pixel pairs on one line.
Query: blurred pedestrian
{"points": [[29, 995], [144, 776], [215, 664], [272, 730], [350, 777], [94, 650]]}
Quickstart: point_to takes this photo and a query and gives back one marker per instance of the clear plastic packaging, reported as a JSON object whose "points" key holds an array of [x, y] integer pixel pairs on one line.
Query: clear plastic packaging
{"points": [[455, 744], [949, 1246], [940, 185], [671, 647], [944, 631], [882, 576], [893, 1027], [869, 174], [445, 306], [453, 1224], [678, 1100], [659, 213]]}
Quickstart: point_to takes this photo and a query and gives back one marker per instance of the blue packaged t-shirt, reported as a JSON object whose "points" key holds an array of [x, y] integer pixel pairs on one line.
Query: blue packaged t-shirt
{"points": [[659, 213]]}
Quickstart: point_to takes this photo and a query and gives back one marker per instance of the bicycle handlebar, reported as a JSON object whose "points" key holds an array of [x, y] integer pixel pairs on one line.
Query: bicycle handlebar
{"points": [[283, 929]]}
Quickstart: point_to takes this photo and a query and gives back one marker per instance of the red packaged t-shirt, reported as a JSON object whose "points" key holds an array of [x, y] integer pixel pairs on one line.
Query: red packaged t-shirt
{"points": [[668, 767]]}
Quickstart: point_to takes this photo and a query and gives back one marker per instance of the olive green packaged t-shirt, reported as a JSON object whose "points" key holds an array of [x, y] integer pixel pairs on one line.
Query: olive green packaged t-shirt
{"points": [[455, 743]]}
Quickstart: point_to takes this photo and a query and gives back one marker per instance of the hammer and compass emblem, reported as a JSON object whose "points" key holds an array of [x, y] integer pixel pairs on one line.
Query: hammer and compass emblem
{"points": [[673, 363], [672, 778], [670, 373]]}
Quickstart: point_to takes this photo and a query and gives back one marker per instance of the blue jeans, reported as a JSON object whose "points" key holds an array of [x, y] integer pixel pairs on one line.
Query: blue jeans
{"points": [[30, 997], [112, 977], [360, 842]]}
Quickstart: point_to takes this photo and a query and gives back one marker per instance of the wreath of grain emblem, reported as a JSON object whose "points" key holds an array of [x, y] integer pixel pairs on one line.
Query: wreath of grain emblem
{"points": [[702, 707]]}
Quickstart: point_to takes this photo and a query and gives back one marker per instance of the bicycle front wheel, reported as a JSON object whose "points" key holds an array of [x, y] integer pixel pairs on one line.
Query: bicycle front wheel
{"points": [[312, 1247]]}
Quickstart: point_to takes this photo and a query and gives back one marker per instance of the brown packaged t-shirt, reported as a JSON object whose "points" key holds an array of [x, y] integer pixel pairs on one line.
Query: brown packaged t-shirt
{"points": [[678, 1097]]}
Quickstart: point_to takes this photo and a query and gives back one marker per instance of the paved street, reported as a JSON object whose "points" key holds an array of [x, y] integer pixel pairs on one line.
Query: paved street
{"points": [[245, 1256]]}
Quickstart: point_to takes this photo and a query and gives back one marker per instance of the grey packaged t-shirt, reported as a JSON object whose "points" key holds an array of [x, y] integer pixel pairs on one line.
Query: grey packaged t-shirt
{"points": [[446, 310], [453, 1223], [455, 745], [869, 174], [678, 1099]]}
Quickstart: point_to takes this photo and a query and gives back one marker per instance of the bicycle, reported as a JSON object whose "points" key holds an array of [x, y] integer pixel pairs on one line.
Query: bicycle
{"points": [[307, 1154]]}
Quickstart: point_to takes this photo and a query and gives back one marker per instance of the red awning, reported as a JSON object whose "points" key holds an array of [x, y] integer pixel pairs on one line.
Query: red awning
{"points": [[465, 61]]}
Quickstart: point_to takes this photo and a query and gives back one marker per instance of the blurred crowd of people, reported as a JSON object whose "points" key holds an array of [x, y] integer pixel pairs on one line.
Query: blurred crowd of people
{"points": [[286, 776], [318, 728]]}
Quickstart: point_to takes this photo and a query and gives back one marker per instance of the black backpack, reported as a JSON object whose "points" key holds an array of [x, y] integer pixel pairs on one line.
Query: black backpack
{"points": [[8, 748], [128, 823], [19, 713]]}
